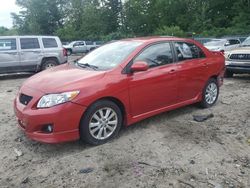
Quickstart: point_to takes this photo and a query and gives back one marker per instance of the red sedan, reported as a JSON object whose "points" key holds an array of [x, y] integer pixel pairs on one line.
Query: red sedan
{"points": [[117, 84]]}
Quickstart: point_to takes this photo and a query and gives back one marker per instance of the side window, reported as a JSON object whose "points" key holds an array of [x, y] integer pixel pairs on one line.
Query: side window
{"points": [[76, 44], [187, 51], [81, 44], [7, 44], [233, 42], [29, 43], [156, 55], [89, 42], [49, 43]]}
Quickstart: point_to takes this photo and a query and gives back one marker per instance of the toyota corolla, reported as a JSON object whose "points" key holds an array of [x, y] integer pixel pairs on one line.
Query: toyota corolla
{"points": [[117, 84]]}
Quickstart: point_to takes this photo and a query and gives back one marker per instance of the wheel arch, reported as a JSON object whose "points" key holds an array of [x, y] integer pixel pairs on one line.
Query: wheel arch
{"points": [[118, 102], [44, 59], [213, 77]]}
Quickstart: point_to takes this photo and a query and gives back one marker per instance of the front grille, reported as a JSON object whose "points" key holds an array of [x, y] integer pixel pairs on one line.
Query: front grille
{"points": [[25, 99], [240, 57]]}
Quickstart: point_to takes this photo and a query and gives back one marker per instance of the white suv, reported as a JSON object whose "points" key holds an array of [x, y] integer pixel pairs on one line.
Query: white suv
{"points": [[30, 53]]}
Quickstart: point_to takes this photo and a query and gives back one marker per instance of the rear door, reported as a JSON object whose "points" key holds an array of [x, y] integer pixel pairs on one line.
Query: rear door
{"points": [[30, 53], [192, 70], [9, 55], [157, 87]]}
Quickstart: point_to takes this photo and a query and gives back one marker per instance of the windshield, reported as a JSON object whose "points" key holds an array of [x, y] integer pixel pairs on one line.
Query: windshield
{"points": [[109, 55], [246, 42], [215, 43]]}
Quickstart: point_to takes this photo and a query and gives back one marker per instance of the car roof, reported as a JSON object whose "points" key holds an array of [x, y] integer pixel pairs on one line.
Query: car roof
{"points": [[156, 39]]}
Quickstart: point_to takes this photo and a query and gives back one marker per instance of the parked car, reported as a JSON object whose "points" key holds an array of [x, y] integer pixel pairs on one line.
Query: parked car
{"points": [[80, 47], [117, 84], [222, 45], [238, 60], [30, 53], [203, 40]]}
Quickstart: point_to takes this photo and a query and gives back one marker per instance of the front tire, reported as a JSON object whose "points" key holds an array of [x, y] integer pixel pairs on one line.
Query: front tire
{"points": [[210, 93], [100, 123]]}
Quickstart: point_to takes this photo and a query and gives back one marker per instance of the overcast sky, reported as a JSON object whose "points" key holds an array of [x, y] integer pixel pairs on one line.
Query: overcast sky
{"points": [[6, 7]]}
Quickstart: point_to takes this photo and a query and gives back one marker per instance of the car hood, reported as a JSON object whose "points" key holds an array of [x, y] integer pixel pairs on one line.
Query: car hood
{"points": [[241, 50], [63, 78]]}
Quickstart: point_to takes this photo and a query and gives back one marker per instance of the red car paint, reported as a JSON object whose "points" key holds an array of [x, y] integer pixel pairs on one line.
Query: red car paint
{"points": [[140, 94]]}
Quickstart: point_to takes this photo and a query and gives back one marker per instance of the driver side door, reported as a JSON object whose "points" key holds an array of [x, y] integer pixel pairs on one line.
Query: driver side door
{"points": [[155, 88]]}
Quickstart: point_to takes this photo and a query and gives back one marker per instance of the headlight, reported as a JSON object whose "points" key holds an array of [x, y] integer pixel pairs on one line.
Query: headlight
{"points": [[227, 56], [54, 99]]}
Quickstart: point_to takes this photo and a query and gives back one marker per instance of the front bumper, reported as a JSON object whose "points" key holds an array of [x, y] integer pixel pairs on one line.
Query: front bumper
{"points": [[238, 67], [64, 118], [239, 70]]}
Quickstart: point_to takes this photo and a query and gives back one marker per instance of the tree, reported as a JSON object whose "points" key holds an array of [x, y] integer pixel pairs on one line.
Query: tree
{"points": [[39, 17], [109, 19], [5, 31]]}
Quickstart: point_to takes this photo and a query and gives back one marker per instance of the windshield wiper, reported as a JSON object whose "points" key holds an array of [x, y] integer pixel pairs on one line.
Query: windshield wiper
{"points": [[245, 45], [87, 65]]}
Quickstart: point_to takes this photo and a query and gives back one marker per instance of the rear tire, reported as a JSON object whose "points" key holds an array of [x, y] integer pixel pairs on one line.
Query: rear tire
{"points": [[49, 63], [101, 122], [210, 93]]}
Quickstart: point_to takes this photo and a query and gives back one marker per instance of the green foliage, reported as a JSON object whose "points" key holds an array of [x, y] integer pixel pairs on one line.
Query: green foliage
{"points": [[170, 31], [7, 32], [115, 19], [116, 36]]}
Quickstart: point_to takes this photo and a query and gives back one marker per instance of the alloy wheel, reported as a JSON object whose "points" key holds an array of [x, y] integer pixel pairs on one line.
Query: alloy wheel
{"points": [[211, 93], [103, 123]]}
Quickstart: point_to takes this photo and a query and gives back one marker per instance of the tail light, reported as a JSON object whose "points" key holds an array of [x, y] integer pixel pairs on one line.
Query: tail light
{"points": [[65, 52]]}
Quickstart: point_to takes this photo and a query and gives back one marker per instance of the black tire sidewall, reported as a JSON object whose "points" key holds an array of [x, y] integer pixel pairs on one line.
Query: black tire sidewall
{"points": [[204, 103], [84, 124]]}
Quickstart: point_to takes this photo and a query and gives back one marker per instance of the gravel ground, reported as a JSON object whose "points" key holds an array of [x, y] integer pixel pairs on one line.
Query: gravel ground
{"points": [[168, 150]]}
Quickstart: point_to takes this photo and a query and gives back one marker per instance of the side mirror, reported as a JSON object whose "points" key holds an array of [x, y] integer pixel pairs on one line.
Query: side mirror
{"points": [[227, 44], [139, 66]]}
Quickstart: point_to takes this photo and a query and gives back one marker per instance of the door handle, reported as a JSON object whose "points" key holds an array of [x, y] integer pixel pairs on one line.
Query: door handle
{"points": [[172, 71]]}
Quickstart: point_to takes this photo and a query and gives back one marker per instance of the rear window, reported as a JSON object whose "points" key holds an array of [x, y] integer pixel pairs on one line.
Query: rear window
{"points": [[187, 51], [29, 43], [49, 43], [7, 44]]}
